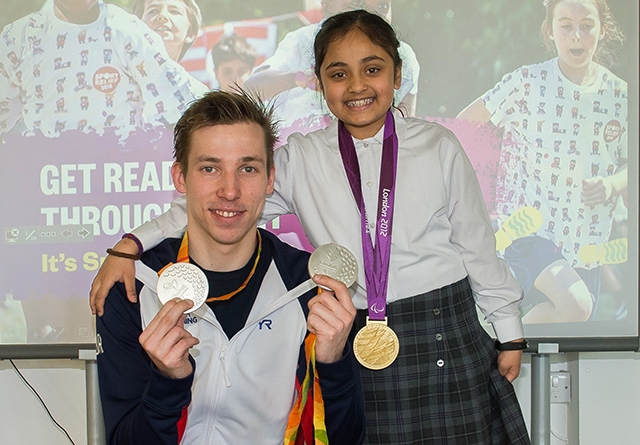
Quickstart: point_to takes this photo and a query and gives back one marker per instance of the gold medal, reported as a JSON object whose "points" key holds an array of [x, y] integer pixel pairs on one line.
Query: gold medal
{"points": [[376, 346]]}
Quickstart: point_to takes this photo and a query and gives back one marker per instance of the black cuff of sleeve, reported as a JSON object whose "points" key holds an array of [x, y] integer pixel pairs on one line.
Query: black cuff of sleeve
{"points": [[338, 376], [170, 394], [512, 345]]}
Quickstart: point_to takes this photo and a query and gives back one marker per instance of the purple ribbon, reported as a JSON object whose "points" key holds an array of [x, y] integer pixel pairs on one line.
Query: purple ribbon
{"points": [[376, 260]]}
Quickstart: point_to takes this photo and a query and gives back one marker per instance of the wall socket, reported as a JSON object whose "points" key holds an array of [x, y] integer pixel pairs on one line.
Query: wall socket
{"points": [[560, 387]]}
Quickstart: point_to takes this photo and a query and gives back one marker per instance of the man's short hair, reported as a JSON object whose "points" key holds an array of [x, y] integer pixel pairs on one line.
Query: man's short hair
{"points": [[233, 47], [224, 108]]}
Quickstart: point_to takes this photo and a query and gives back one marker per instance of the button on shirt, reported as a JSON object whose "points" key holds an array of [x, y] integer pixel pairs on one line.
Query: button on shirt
{"points": [[369, 152]]}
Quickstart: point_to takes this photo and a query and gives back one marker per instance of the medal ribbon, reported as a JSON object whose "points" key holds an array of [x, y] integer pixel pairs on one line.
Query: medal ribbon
{"points": [[183, 257], [306, 424], [376, 259]]}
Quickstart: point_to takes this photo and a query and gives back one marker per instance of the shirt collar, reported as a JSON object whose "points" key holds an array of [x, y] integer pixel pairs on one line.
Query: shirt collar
{"points": [[376, 138], [401, 130], [401, 127]]}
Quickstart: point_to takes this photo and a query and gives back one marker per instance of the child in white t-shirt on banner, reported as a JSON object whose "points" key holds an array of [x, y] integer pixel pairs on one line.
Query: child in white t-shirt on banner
{"points": [[563, 162]]}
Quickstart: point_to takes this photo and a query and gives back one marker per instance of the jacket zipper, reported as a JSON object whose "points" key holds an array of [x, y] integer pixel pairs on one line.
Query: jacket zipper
{"points": [[227, 380]]}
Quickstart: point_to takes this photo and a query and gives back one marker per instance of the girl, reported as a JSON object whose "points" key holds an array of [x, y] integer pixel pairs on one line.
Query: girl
{"points": [[287, 76], [424, 244], [564, 153], [176, 21]]}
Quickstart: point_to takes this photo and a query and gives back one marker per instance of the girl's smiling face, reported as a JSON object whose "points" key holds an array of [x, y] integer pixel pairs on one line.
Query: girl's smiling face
{"points": [[358, 80], [576, 31], [170, 19]]}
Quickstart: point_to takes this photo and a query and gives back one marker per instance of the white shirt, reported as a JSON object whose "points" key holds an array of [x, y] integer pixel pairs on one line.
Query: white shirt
{"points": [[441, 230], [558, 134], [111, 73]]}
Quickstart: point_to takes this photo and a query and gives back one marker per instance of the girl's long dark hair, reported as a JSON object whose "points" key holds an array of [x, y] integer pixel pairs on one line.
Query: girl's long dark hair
{"points": [[372, 25]]}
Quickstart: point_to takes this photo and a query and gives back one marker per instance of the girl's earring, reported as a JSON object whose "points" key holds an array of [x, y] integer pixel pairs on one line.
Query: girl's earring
{"points": [[550, 36]]}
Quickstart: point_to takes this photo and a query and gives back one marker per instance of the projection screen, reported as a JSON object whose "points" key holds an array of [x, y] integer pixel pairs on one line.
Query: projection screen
{"points": [[87, 108]]}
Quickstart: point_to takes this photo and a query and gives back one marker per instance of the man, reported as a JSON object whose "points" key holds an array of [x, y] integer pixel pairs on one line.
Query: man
{"points": [[230, 371], [86, 65]]}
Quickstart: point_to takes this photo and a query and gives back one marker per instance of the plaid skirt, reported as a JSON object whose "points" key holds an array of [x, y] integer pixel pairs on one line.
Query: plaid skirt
{"points": [[444, 387]]}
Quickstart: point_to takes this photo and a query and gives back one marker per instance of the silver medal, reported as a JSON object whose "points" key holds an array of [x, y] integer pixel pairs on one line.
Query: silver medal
{"points": [[185, 281], [334, 261]]}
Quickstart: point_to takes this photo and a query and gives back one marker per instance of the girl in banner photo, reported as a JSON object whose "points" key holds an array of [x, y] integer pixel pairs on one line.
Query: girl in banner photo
{"points": [[401, 194], [563, 162], [178, 22]]}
